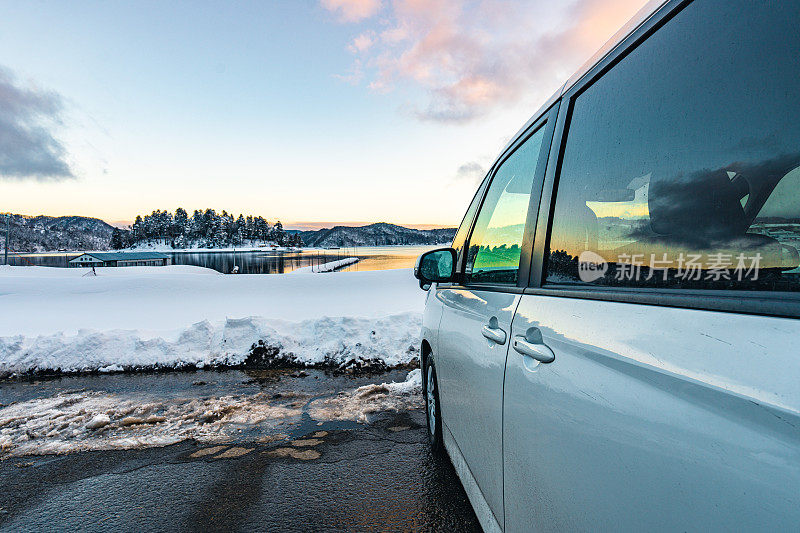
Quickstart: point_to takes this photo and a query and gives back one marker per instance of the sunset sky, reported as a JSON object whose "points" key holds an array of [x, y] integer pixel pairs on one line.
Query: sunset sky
{"points": [[306, 111]]}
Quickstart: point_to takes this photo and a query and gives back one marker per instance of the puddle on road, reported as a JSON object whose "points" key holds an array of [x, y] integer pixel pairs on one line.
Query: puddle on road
{"points": [[139, 410]]}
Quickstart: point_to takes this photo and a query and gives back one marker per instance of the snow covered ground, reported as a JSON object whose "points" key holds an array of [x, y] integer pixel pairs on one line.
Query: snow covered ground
{"points": [[139, 317]]}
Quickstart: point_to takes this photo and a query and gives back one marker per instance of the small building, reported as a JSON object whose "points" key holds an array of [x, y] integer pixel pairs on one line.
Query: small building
{"points": [[120, 259]]}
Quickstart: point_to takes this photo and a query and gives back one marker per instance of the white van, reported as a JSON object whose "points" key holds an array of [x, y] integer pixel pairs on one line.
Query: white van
{"points": [[612, 342]]}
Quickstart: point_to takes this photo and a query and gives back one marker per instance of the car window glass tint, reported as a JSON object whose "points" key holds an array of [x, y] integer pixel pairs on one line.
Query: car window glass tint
{"points": [[680, 168], [495, 245]]}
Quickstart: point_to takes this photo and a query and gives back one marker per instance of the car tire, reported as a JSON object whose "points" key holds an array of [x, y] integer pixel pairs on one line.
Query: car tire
{"points": [[433, 411]]}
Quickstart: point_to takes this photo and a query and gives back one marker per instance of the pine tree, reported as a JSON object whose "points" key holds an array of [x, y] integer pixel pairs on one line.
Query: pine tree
{"points": [[180, 223], [116, 239], [196, 225], [249, 228], [138, 229], [278, 235], [220, 235], [240, 232]]}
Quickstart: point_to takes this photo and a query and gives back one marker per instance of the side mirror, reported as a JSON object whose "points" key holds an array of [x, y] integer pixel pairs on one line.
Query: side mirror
{"points": [[436, 266]]}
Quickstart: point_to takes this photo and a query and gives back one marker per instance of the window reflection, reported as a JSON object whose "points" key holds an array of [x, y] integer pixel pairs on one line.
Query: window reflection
{"points": [[495, 246], [681, 169]]}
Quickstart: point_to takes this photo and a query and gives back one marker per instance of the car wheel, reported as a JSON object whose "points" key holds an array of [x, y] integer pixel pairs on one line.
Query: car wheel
{"points": [[433, 411]]}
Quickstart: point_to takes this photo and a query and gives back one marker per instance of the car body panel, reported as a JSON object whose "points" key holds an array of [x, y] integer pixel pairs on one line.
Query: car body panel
{"points": [[483, 512], [470, 370], [652, 418], [431, 317]]}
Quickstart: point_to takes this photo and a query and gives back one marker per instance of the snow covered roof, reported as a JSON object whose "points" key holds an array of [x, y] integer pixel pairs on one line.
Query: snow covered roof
{"points": [[123, 256]]}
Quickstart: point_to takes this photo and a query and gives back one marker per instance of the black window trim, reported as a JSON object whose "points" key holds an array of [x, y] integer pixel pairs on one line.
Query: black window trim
{"points": [[546, 120], [777, 304]]}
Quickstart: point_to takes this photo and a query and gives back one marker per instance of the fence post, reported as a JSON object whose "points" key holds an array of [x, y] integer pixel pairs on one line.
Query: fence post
{"points": [[8, 232]]}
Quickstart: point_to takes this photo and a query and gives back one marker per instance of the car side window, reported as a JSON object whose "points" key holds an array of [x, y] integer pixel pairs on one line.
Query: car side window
{"points": [[496, 242], [460, 239], [681, 167]]}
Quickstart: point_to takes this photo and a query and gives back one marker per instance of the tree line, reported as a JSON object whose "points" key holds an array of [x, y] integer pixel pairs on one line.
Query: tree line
{"points": [[207, 229]]}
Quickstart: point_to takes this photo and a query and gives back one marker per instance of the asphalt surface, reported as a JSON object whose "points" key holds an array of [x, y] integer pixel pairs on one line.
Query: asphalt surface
{"points": [[379, 476]]}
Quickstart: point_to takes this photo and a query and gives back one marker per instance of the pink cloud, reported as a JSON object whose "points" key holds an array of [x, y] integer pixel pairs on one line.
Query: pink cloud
{"points": [[471, 57], [353, 10]]}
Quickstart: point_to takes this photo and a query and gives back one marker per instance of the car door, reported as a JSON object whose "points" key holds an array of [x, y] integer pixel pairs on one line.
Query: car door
{"points": [[646, 420], [653, 383], [476, 318]]}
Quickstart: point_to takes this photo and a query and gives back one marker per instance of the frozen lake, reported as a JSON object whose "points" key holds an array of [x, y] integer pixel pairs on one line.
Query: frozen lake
{"points": [[266, 261]]}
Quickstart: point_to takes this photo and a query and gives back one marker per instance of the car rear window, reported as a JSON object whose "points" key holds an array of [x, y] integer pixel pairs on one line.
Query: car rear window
{"points": [[681, 168]]}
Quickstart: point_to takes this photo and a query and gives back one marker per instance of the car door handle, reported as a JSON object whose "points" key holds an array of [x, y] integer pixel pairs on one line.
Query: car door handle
{"points": [[494, 334], [540, 352]]}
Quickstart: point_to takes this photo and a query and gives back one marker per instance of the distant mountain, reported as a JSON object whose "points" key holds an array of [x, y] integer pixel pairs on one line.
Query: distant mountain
{"points": [[380, 234], [42, 233]]}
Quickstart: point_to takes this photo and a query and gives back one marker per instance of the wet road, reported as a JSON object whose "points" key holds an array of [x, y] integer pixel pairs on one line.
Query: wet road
{"points": [[379, 476]]}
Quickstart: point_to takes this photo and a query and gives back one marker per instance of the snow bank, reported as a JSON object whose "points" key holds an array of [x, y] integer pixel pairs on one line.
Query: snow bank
{"points": [[139, 317], [336, 341], [330, 266]]}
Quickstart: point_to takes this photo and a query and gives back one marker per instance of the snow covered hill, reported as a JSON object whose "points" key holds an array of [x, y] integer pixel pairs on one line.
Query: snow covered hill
{"points": [[75, 233], [380, 234], [42, 233]]}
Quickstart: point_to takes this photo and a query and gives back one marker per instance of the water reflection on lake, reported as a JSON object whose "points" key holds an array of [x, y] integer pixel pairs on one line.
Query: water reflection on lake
{"points": [[266, 261]]}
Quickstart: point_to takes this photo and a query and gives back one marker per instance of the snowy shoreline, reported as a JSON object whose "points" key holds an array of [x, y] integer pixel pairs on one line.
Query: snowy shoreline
{"points": [[58, 321], [229, 249], [170, 249]]}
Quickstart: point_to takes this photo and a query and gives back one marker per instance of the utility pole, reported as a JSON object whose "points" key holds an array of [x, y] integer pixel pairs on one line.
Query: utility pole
{"points": [[8, 226]]}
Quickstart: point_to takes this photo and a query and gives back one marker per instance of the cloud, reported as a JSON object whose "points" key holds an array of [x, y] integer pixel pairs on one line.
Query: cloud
{"points": [[352, 10], [362, 42], [471, 57], [28, 149], [472, 172]]}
